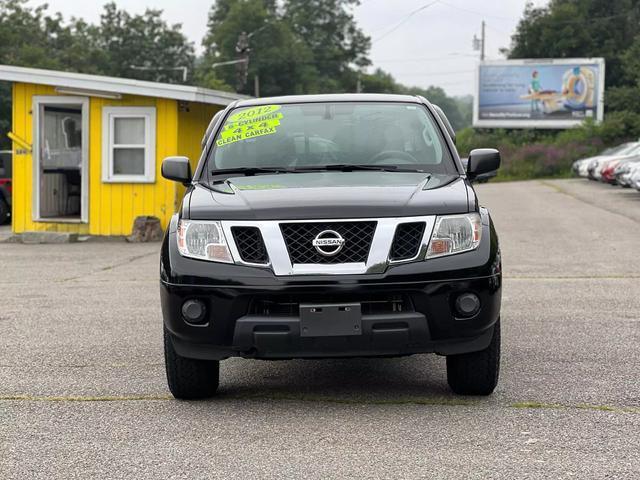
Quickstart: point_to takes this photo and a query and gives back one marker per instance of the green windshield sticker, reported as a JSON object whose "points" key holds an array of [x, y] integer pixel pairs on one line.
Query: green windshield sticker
{"points": [[266, 186], [250, 123]]}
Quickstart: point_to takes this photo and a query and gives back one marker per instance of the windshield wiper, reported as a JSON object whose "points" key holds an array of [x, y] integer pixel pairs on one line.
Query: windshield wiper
{"points": [[346, 167], [248, 171], [342, 167]]}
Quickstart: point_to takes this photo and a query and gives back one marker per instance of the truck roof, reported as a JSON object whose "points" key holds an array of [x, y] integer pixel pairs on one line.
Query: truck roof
{"points": [[332, 97]]}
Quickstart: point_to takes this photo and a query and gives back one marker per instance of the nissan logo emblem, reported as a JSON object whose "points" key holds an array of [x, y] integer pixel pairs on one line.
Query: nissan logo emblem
{"points": [[328, 243]]}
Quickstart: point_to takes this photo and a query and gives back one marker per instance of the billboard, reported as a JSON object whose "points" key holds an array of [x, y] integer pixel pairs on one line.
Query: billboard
{"points": [[538, 93]]}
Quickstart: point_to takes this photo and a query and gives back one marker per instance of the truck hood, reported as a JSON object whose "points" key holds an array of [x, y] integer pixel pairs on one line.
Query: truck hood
{"points": [[326, 195]]}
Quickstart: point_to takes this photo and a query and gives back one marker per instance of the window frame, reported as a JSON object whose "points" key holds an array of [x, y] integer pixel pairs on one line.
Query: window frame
{"points": [[450, 154], [109, 116]]}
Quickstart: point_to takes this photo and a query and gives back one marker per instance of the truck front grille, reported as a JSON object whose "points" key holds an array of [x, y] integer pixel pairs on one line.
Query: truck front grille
{"points": [[299, 238], [346, 246], [407, 240], [250, 244]]}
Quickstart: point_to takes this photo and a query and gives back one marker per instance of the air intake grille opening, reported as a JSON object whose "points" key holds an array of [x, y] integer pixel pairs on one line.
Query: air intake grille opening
{"points": [[406, 242], [289, 305], [250, 244], [357, 241]]}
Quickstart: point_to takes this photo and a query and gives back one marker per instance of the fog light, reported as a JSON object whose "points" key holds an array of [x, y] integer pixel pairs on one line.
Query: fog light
{"points": [[467, 304], [194, 311]]}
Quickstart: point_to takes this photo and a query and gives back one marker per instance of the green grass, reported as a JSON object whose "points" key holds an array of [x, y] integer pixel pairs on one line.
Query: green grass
{"points": [[275, 397], [519, 176]]}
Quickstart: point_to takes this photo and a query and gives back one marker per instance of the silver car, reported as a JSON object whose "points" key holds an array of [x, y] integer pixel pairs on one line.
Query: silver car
{"points": [[627, 150]]}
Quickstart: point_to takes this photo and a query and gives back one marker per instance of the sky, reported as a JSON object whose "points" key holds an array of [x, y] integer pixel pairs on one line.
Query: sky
{"points": [[420, 42]]}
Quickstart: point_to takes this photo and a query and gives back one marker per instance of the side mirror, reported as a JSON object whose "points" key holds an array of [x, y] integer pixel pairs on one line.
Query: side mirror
{"points": [[482, 160], [177, 169]]}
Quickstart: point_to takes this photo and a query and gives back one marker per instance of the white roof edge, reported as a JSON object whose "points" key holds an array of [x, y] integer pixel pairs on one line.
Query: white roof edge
{"points": [[117, 85]]}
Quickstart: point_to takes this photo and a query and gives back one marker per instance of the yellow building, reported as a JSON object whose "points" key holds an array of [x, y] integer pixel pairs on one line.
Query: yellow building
{"points": [[87, 149]]}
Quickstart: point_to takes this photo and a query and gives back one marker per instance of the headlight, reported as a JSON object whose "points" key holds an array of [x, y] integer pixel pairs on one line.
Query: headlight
{"points": [[455, 234], [203, 240]]}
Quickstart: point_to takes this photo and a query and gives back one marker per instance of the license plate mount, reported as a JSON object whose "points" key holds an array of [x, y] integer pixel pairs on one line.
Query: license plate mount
{"points": [[330, 319]]}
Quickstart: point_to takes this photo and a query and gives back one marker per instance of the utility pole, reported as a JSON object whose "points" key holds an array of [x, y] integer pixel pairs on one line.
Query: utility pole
{"points": [[479, 43], [256, 85], [242, 67], [242, 61], [359, 83], [483, 43]]}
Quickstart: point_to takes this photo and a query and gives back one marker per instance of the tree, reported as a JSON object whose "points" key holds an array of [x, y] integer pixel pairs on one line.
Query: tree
{"points": [[383, 82], [379, 82], [32, 38], [579, 28], [26, 34], [27, 39], [465, 107], [438, 96], [295, 46], [160, 51], [329, 30], [276, 55]]}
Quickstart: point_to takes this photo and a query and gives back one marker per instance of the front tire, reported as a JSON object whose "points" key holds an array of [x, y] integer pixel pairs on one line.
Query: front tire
{"points": [[188, 378], [476, 373]]}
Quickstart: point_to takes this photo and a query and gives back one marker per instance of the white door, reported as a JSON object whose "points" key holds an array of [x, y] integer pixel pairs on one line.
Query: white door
{"points": [[61, 159]]}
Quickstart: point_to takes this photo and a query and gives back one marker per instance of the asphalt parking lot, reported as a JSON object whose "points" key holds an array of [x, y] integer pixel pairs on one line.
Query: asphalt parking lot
{"points": [[83, 395]]}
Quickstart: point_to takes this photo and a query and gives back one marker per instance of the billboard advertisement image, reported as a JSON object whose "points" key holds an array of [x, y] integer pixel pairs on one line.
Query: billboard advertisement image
{"points": [[538, 93]]}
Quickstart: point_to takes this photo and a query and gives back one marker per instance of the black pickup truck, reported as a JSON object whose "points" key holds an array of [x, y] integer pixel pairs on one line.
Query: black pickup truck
{"points": [[330, 226]]}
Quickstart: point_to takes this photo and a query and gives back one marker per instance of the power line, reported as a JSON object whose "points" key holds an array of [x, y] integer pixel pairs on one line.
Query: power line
{"points": [[448, 84], [498, 30], [474, 12], [451, 56], [445, 84], [576, 20], [405, 20], [436, 74]]}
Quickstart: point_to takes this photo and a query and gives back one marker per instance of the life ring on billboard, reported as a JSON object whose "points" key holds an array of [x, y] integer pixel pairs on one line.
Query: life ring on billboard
{"points": [[578, 88]]}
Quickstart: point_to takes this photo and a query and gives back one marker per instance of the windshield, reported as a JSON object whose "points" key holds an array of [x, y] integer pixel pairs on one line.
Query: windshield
{"points": [[628, 148], [307, 135]]}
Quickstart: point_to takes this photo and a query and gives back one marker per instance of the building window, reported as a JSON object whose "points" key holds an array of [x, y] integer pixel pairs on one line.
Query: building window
{"points": [[129, 144]]}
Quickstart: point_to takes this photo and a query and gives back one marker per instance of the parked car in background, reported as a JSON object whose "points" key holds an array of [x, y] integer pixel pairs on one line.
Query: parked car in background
{"points": [[618, 165], [624, 170], [607, 171], [634, 179], [5, 185], [596, 165], [580, 166], [583, 167]]}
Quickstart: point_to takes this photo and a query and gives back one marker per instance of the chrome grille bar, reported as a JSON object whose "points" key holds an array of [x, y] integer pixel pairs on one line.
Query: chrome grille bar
{"points": [[377, 261]]}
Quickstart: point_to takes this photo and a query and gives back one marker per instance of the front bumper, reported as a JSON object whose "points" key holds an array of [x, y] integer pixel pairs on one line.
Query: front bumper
{"points": [[408, 309]]}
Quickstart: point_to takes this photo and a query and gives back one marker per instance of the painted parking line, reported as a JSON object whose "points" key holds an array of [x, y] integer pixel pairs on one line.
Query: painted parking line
{"points": [[533, 405]]}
